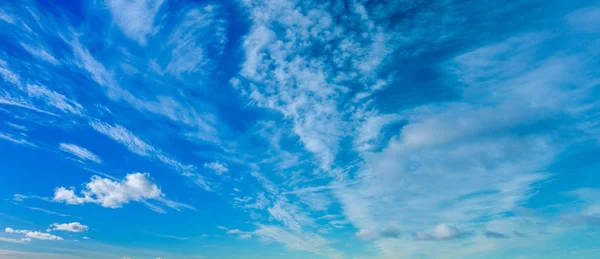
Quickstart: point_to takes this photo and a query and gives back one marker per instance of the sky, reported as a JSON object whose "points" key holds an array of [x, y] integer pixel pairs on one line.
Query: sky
{"points": [[359, 129]]}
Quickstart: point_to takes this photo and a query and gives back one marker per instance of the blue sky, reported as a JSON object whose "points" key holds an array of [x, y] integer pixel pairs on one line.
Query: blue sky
{"points": [[299, 129]]}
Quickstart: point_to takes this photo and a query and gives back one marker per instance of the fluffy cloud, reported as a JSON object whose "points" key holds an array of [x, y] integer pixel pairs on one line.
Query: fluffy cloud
{"points": [[69, 227], [80, 152], [136, 187], [34, 234]]}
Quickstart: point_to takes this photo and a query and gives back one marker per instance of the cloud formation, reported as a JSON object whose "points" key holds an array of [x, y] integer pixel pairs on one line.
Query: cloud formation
{"points": [[135, 187], [69, 227], [33, 234]]}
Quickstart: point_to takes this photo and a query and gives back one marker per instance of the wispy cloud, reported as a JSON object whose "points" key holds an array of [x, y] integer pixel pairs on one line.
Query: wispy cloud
{"points": [[16, 140], [6, 17], [123, 136], [298, 241], [135, 18], [15, 240], [40, 53], [54, 99], [79, 152], [47, 211]]}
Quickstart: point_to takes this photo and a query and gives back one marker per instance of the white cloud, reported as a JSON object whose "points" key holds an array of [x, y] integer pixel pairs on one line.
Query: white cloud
{"points": [[48, 211], [304, 85], [16, 140], [166, 106], [217, 166], [80, 152], [298, 241], [240, 234], [466, 162], [440, 232], [15, 240], [135, 17], [40, 53], [54, 99], [21, 103], [123, 136], [200, 32], [8, 75], [34, 234], [136, 187], [136, 145], [16, 126], [19, 197], [69, 227], [6, 18]]}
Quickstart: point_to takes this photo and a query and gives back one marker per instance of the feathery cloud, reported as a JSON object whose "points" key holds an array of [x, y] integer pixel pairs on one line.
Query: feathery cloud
{"points": [[79, 152]]}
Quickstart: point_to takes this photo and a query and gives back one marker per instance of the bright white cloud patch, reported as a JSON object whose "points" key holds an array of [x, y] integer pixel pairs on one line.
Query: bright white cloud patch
{"points": [[69, 227], [136, 187], [80, 152], [34, 234]]}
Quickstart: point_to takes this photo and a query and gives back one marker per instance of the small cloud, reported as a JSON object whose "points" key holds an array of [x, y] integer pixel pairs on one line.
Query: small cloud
{"points": [[19, 197], [218, 167], [441, 232], [236, 232], [85, 238], [70, 227], [108, 193], [173, 237]]}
